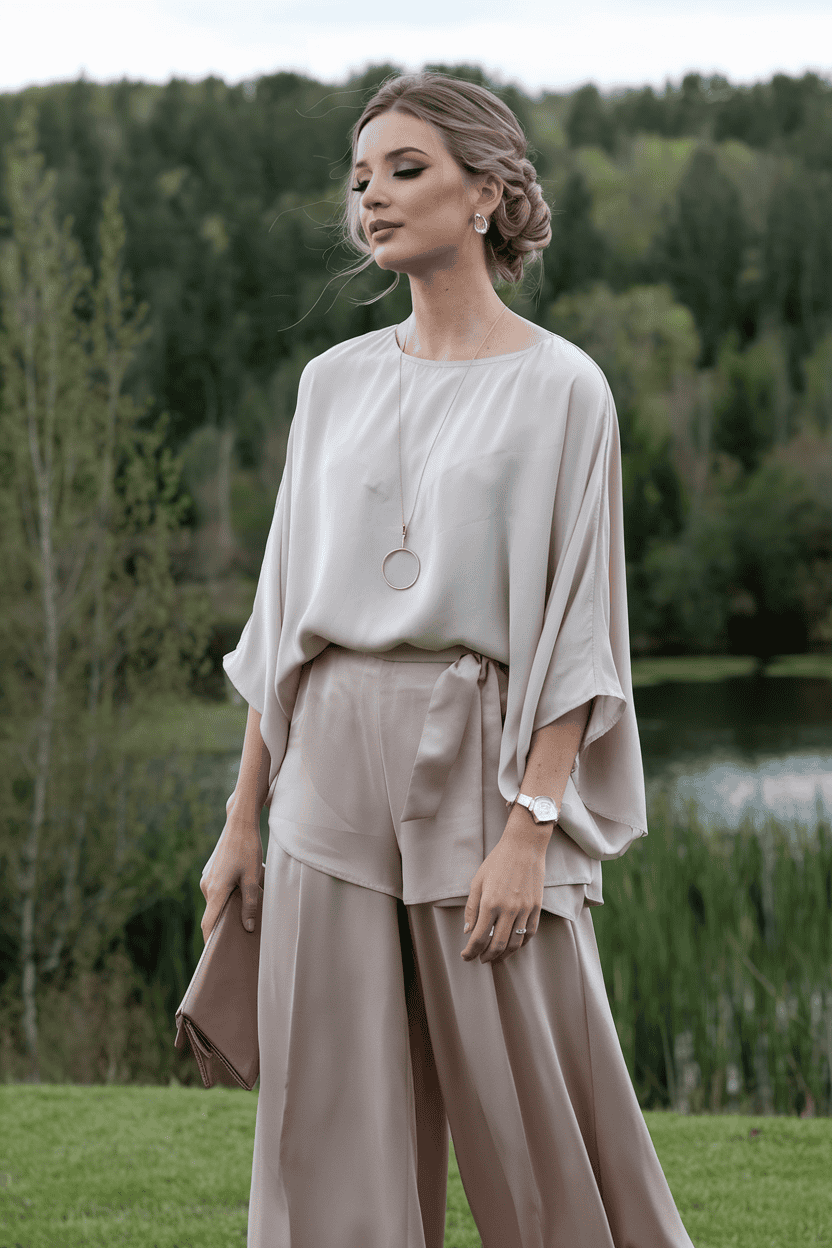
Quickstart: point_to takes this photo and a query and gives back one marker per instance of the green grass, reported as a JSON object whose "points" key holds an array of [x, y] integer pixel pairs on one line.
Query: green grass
{"points": [[708, 667], [151, 1167]]}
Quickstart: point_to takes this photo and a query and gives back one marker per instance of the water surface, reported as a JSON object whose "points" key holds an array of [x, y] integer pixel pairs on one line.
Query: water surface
{"points": [[740, 748]]}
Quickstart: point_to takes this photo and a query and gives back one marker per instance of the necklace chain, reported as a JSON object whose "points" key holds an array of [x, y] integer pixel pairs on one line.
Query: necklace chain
{"points": [[438, 431]]}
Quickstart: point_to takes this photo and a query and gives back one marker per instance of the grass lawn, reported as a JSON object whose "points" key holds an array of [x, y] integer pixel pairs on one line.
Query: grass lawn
{"points": [[151, 1167]]}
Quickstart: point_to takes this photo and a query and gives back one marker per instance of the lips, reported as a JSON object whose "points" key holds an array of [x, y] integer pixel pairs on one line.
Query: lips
{"points": [[376, 226]]}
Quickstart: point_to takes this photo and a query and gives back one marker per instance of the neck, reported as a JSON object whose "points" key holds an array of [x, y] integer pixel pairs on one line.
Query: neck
{"points": [[452, 313]]}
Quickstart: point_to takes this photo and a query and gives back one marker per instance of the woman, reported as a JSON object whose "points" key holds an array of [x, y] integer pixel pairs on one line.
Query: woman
{"points": [[439, 632]]}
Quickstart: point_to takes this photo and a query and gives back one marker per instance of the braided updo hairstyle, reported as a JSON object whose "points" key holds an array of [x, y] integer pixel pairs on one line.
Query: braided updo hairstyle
{"points": [[483, 136]]}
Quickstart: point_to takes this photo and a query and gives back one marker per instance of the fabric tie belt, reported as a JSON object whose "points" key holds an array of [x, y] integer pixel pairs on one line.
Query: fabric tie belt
{"points": [[448, 715]]}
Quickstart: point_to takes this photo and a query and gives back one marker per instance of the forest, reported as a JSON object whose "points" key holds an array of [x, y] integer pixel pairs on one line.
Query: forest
{"points": [[171, 257], [691, 256]]}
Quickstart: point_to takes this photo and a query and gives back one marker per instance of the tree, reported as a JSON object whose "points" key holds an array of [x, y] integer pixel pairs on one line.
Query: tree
{"points": [[578, 250], [92, 621], [646, 344], [753, 404], [589, 123], [699, 248], [797, 254]]}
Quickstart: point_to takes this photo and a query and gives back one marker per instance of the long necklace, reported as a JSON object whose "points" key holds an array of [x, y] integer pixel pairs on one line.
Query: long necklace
{"points": [[401, 564]]}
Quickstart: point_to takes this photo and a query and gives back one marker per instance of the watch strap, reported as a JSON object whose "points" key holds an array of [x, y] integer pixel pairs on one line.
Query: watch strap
{"points": [[523, 799]]}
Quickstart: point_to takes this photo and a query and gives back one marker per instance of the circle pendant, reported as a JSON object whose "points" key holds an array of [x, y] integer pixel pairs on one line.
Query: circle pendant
{"points": [[400, 568]]}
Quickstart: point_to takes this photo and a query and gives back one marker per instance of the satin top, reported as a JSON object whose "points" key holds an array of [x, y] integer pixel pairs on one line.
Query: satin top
{"points": [[518, 525]]}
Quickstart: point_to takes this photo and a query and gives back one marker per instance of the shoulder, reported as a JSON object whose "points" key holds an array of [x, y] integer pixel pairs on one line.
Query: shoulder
{"points": [[348, 357], [570, 365], [565, 379]]}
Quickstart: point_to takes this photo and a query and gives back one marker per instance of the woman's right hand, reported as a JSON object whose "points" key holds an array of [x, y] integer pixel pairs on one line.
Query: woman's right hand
{"points": [[236, 860]]}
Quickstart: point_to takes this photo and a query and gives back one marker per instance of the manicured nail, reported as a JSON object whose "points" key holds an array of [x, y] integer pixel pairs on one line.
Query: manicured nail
{"points": [[465, 928], [250, 924]]}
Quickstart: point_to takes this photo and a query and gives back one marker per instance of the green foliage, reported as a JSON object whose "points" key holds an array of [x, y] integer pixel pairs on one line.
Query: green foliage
{"points": [[716, 953], [642, 339], [577, 250], [719, 194], [751, 571], [817, 401], [629, 192], [92, 621], [700, 247], [797, 252], [589, 123], [646, 345]]}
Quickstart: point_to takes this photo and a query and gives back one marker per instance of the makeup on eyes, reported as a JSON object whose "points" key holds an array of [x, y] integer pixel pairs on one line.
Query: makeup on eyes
{"points": [[400, 173]]}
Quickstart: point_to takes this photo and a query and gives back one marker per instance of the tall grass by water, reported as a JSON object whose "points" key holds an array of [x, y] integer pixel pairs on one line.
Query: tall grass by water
{"points": [[716, 947], [717, 954]]}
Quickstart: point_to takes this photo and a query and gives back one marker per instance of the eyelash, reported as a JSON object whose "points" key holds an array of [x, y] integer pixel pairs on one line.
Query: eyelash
{"points": [[402, 173]]}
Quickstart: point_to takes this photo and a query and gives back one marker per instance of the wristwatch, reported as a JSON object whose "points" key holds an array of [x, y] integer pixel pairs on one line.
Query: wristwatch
{"points": [[541, 809]]}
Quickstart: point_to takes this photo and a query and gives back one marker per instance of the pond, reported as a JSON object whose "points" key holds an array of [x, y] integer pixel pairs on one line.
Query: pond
{"points": [[740, 748]]}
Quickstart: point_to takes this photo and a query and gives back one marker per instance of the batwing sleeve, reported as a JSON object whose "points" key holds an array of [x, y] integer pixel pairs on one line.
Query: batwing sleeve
{"points": [[252, 667], [581, 653]]}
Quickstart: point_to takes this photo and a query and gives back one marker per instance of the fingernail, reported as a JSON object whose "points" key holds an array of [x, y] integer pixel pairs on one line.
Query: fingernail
{"points": [[250, 924], [465, 928]]}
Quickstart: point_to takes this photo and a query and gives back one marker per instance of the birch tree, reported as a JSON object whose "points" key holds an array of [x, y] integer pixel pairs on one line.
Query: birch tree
{"points": [[92, 621]]}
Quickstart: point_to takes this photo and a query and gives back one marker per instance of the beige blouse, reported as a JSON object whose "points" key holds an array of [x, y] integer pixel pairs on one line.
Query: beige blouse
{"points": [[518, 526]]}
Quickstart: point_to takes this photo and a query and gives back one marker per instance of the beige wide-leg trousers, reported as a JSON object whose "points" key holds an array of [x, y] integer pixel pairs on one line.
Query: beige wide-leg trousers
{"points": [[375, 1038]]}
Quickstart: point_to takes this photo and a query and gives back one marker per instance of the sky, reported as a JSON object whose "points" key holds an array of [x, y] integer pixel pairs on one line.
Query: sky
{"points": [[536, 44]]}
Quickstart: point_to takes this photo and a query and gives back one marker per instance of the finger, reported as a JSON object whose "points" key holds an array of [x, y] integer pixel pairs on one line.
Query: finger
{"points": [[531, 924], [209, 918], [482, 933], [251, 895], [499, 941], [472, 905], [516, 938], [212, 913]]}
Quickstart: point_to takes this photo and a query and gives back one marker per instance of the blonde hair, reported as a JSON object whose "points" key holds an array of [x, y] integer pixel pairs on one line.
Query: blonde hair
{"points": [[483, 136]]}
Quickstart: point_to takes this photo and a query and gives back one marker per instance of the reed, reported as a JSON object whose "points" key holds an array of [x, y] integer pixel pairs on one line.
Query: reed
{"points": [[716, 947]]}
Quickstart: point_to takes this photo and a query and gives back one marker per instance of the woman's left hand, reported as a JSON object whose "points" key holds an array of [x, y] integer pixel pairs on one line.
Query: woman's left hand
{"points": [[507, 891]]}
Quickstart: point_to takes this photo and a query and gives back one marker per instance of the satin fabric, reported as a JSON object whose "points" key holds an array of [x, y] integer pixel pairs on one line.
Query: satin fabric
{"points": [[390, 778], [376, 1040], [518, 524]]}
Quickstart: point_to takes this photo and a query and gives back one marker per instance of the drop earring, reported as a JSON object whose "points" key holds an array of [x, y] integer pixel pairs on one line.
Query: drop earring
{"points": [[484, 229]]}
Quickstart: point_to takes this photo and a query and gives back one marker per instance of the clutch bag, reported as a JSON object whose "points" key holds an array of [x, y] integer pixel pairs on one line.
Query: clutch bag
{"points": [[218, 1013]]}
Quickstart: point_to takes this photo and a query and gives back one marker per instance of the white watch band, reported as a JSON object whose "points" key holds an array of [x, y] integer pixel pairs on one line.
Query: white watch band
{"points": [[548, 807]]}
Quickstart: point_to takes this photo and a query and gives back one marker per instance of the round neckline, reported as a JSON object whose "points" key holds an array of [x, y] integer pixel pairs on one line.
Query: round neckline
{"points": [[486, 359]]}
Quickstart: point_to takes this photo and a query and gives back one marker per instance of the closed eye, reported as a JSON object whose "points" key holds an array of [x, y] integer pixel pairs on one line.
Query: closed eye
{"points": [[401, 173]]}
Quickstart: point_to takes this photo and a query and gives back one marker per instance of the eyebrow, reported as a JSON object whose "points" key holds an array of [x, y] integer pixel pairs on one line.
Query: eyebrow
{"points": [[397, 151]]}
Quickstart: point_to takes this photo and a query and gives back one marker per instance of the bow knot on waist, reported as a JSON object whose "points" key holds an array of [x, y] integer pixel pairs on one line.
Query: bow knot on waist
{"points": [[451, 702]]}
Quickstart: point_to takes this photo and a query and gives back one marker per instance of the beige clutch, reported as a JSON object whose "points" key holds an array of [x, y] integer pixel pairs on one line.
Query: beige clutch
{"points": [[218, 1012]]}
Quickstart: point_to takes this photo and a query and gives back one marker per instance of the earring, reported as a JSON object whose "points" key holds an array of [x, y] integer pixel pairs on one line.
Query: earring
{"points": [[484, 229]]}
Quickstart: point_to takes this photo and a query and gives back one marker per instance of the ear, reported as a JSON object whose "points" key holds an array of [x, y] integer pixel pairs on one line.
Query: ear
{"points": [[490, 192]]}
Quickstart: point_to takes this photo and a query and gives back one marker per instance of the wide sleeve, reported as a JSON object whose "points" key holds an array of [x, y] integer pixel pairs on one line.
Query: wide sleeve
{"points": [[581, 652], [252, 665]]}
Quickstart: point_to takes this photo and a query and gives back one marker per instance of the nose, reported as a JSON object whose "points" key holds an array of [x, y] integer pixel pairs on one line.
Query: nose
{"points": [[372, 198]]}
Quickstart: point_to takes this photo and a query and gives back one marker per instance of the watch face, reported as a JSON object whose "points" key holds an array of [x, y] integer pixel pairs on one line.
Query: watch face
{"points": [[545, 809]]}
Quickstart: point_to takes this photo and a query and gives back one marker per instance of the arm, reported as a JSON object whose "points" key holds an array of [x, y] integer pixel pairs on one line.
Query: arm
{"points": [[239, 852], [549, 763], [507, 890], [252, 785]]}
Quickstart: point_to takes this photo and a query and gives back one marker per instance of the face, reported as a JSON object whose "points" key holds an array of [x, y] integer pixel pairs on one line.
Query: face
{"points": [[422, 191]]}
